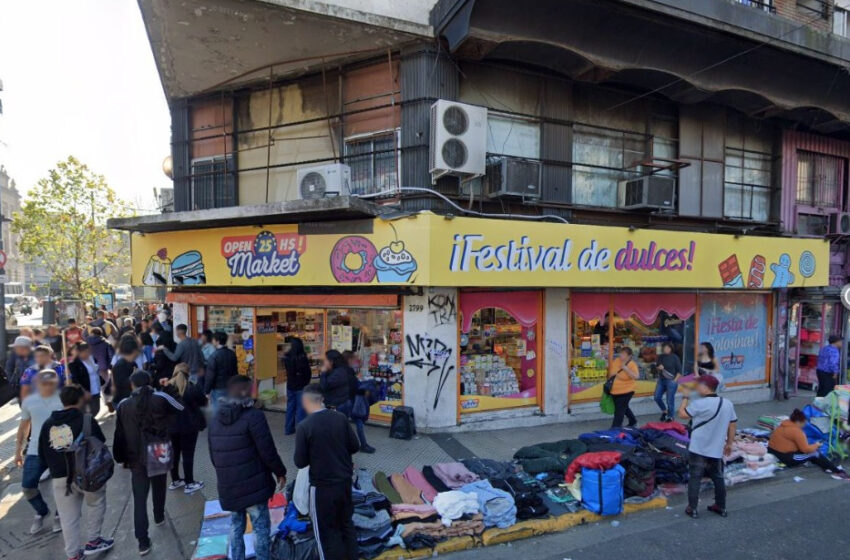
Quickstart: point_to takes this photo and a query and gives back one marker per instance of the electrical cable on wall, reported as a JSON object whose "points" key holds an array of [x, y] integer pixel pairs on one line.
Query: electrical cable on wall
{"points": [[460, 209]]}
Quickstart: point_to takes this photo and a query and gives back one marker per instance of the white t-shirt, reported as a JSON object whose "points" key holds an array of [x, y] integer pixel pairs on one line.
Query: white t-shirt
{"points": [[709, 439], [38, 409]]}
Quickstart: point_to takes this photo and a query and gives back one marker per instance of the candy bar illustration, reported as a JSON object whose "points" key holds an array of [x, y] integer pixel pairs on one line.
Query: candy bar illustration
{"points": [[757, 267], [730, 272], [158, 270]]}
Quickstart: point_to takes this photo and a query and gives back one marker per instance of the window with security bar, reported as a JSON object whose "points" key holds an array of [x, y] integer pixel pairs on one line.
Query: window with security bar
{"points": [[374, 163], [213, 184], [819, 179]]}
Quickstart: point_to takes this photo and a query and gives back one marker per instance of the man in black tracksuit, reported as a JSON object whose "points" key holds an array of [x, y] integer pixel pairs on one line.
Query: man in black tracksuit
{"points": [[325, 442]]}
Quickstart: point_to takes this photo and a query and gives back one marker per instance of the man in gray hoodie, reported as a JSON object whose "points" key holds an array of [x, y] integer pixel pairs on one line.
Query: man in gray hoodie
{"points": [[187, 351]]}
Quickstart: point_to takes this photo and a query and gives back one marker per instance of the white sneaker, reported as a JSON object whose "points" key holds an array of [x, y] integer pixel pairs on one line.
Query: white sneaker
{"points": [[37, 524], [57, 525], [175, 484], [193, 487]]}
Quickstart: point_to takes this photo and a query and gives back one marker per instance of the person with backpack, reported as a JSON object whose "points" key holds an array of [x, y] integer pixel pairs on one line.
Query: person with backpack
{"points": [[247, 466], [142, 443], [59, 436], [713, 424], [298, 374], [35, 410], [185, 428]]}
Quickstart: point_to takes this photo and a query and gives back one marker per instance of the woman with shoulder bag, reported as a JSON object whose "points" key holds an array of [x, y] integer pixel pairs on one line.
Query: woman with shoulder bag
{"points": [[621, 386], [184, 429]]}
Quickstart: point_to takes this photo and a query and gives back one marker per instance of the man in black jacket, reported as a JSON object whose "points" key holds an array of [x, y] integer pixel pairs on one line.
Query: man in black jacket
{"points": [[143, 418], [55, 442], [162, 365], [325, 442], [83, 371], [221, 367], [243, 453]]}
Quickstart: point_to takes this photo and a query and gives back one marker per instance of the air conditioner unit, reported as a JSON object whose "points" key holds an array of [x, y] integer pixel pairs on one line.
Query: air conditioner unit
{"points": [[839, 223], [512, 177], [650, 192], [458, 139], [333, 179]]}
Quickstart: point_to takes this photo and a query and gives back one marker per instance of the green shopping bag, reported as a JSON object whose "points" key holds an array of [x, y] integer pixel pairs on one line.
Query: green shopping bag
{"points": [[606, 404]]}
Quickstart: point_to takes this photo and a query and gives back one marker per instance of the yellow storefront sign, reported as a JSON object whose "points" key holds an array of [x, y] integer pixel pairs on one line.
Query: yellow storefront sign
{"points": [[429, 250]]}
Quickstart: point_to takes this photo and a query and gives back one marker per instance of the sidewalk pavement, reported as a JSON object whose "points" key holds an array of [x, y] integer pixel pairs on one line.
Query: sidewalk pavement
{"points": [[176, 539]]}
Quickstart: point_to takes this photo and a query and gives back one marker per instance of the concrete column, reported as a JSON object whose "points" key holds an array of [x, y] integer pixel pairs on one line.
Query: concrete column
{"points": [[431, 357], [556, 350]]}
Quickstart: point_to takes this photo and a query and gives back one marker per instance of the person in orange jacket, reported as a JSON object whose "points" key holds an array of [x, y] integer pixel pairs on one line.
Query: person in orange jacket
{"points": [[789, 444]]}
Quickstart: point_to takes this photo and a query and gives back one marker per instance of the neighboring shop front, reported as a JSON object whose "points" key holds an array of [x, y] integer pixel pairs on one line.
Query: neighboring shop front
{"points": [[467, 320], [812, 316], [736, 325]]}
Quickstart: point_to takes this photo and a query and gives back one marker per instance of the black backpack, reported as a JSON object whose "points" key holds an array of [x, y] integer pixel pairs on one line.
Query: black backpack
{"points": [[93, 463], [403, 424]]}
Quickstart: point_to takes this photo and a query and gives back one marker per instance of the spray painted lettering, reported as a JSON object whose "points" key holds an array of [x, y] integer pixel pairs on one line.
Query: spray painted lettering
{"points": [[431, 355], [442, 308]]}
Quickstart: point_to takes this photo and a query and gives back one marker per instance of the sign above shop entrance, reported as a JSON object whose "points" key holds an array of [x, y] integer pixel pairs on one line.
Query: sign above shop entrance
{"points": [[429, 250]]}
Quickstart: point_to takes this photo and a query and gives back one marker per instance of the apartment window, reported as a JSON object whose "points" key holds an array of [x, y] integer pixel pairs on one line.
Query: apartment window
{"points": [[601, 159], [374, 162], [819, 179], [764, 5], [747, 184], [213, 184], [810, 8], [840, 23], [513, 136]]}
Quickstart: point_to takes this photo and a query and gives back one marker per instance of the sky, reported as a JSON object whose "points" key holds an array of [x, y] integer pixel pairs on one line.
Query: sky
{"points": [[79, 79]]}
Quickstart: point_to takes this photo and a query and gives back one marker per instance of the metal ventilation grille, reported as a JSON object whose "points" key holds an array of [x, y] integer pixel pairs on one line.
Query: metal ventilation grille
{"points": [[455, 121], [454, 153], [313, 185], [634, 192]]}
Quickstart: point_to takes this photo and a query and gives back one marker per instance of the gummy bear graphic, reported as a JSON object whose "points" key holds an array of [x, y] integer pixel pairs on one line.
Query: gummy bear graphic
{"points": [[782, 275]]}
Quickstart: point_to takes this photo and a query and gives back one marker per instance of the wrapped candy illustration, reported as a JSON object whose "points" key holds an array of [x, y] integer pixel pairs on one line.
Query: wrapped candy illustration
{"points": [[158, 270]]}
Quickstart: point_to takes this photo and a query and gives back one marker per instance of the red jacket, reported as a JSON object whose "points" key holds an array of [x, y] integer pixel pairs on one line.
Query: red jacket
{"points": [[602, 460]]}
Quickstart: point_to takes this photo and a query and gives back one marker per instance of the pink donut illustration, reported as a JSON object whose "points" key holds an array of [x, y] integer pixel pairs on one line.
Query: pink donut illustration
{"points": [[351, 260]]}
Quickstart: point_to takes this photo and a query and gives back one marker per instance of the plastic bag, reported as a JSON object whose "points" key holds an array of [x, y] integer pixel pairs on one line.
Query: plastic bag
{"points": [[606, 404]]}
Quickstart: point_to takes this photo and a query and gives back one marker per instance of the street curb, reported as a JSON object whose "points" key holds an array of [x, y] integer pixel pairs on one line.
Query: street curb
{"points": [[522, 530]]}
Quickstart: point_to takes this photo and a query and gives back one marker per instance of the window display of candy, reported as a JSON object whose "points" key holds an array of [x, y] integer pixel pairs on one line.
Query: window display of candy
{"points": [[487, 375]]}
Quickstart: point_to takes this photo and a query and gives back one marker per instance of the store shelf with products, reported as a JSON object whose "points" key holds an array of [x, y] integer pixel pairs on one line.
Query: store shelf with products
{"points": [[306, 324]]}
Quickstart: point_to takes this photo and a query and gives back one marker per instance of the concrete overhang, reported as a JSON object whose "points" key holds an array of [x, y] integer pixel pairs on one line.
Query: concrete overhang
{"points": [[291, 212], [204, 45], [687, 50]]}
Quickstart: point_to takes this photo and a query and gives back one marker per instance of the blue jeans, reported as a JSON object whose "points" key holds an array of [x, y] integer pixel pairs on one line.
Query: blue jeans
{"points": [[361, 433], [294, 411], [262, 532], [668, 387], [32, 471]]}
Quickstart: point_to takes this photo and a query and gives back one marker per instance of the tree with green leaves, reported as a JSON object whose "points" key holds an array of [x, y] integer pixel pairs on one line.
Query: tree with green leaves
{"points": [[62, 224]]}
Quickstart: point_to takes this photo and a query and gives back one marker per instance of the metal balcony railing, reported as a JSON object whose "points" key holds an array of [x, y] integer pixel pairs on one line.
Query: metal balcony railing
{"points": [[763, 5]]}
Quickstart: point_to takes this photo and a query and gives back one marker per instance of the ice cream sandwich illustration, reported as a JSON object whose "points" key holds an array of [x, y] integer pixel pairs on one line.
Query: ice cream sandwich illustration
{"points": [[188, 269], [730, 272], [158, 270]]}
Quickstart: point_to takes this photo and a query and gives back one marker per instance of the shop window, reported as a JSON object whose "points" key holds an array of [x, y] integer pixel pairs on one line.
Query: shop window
{"points": [[513, 136], [498, 362], [238, 323], [374, 162], [374, 336], [809, 328], [306, 324], [601, 159], [819, 180], [736, 326], [213, 185], [643, 322]]}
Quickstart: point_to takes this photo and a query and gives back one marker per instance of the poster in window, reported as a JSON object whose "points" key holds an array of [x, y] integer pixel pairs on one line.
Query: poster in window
{"points": [[736, 325]]}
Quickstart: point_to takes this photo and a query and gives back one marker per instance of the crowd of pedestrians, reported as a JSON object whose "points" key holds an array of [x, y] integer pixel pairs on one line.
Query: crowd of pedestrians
{"points": [[166, 388]]}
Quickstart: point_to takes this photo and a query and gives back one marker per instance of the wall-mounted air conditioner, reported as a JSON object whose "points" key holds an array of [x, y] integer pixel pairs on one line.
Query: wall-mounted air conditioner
{"points": [[512, 177], [333, 179], [458, 139], [653, 192], [839, 223]]}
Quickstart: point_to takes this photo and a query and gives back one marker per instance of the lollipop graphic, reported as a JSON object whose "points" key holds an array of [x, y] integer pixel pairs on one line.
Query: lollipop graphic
{"points": [[807, 264]]}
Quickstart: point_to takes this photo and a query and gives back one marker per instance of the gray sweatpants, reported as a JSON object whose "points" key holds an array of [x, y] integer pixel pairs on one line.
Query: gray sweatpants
{"points": [[70, 510]]}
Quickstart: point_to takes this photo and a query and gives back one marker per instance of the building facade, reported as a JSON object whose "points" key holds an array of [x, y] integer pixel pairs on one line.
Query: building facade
{"points": [[507, 194]]}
